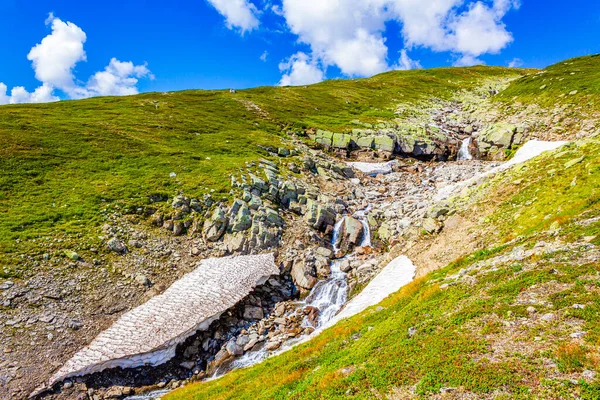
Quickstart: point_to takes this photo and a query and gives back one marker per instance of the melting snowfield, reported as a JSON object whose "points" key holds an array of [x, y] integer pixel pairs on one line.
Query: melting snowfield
{"points": [[529, 150], [398, 273], [150, 333], [374, 169]]}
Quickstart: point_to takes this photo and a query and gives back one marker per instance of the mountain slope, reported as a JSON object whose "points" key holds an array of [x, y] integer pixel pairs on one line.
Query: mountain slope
{"points": [[518, 319]]}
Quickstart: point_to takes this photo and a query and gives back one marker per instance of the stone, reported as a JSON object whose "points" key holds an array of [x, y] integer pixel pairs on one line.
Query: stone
{"points": [[117, 246], [253, 312], [324, 252], [499, 135], [365, 142], [72, 255], [215, 227], [573, 162], [274, 345], [74, 324], [178, 228], [242, 219], [235, 241], [6, 285], [279, 310], [303, 274], [188, 365], [180, 201], [384, 143], [431, 225], [350, 234], [234, 349], [142, 279], [340, 141], [345, 266], [283, 152], [322, 266], [273, 218]]}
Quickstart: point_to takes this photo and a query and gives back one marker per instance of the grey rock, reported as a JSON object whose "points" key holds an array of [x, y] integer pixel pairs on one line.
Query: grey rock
{"points": [[253, 312], [117, 246], [303, 274], [350, 234], [215, 227]]}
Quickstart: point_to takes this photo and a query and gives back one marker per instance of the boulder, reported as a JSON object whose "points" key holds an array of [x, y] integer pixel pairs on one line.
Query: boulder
{"points": [[235, 241], [117, 246], [253, 312], [350, 234], [340, 141], [431, 225], [499, 135], [384, 143], [303, 274], [365, 142], [241, 218], [72, 255], [215, 227]]}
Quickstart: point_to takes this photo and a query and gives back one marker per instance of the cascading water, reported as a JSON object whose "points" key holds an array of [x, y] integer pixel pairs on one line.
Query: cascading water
{"points": [[329, 296], [464, 153]]}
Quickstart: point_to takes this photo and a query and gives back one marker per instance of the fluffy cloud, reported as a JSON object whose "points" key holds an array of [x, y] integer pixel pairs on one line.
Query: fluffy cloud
{"points": [[53, 61], [349, 34], [406, 63], [468, 60], [117, 79], [299, 70], [54, 58], [240, 14], [516, 63], [263, 56]]}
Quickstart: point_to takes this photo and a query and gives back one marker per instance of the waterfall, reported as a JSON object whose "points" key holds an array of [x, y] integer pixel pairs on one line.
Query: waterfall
{"points": [[464, 153], [362, 217], [328, 295], [336, 234]]}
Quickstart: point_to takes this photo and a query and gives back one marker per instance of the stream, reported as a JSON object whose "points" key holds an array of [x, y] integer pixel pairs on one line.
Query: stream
{"points": [[329, 296]]}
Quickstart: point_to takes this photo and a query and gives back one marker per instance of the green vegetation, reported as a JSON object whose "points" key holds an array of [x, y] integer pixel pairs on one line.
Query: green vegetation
{"points": [[573, 82], [64, 164], [474, 330]]}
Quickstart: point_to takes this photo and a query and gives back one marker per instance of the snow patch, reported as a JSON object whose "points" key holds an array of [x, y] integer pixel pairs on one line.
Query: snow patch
{"points": [[373, 169]]}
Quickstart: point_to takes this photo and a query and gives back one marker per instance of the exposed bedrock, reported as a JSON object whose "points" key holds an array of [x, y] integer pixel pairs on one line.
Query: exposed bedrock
{"points": [[150, 333]]}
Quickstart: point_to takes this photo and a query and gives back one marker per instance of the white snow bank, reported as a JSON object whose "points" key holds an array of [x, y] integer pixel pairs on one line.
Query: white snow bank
{"points": [[374, 169], [529, 150], [398, 273]]}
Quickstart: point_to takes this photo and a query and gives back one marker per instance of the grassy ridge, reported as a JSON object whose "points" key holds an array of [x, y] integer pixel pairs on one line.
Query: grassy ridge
{"points": [[63, 163], [475, 335], [571, 82]]}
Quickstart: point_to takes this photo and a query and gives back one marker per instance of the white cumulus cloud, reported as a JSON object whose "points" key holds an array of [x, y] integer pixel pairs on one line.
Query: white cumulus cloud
{"points": [[516, 63], [118, 79], [468, 60], [406, 63], [299, 70], [54, 58], [240, 14], [53, 61], [350, 34]]}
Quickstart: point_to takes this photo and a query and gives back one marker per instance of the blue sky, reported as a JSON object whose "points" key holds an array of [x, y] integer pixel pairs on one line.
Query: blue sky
{"points": [[204, 44]]}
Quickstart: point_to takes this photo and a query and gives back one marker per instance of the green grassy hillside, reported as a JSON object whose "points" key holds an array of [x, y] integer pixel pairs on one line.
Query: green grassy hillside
{"points": [[573, 82], [63, 164], [519, 319]]}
